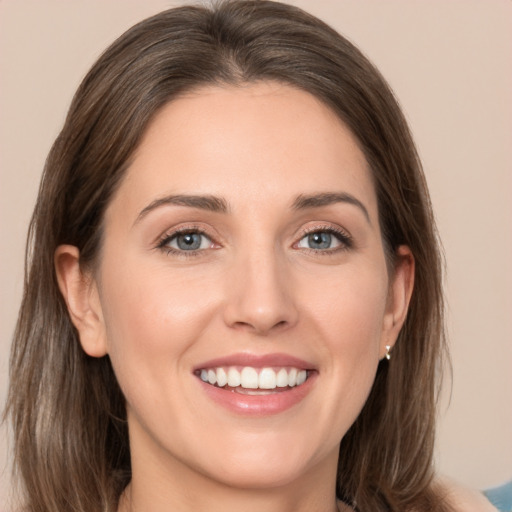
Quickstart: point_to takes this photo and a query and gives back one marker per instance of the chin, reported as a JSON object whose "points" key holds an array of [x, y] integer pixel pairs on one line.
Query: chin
{"points": [[267, 465], [259, 475]]}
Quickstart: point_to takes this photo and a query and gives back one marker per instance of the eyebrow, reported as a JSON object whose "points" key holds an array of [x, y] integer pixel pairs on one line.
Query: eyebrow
{"points": [[219, 205], [208, 203], [303, 202]]}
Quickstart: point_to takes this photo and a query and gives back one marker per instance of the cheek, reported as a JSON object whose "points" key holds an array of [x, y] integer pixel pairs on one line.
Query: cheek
{"points": [[348, 315], [152, 317], [153, 302], [349, 308]]}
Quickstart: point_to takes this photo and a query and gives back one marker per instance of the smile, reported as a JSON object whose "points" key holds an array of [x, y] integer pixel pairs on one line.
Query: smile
{"points": [[256, 385], [251, 378]]}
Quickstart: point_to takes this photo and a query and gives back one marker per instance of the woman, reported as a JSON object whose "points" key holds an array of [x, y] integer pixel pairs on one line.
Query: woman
{"points": [[233, 295]]}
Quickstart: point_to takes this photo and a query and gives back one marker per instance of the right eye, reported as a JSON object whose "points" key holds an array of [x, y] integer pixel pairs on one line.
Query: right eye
{"points": [[188, 241]]}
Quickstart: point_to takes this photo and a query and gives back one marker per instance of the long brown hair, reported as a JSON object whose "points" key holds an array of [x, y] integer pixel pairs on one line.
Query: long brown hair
{"points": [[68, 413]]}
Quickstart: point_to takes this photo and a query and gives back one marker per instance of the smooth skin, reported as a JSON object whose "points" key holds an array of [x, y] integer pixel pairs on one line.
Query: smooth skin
{"points": [[248, 276]]}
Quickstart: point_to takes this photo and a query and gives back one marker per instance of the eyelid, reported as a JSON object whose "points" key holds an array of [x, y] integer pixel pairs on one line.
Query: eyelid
{"points": [[343, 236], [168, 235]]}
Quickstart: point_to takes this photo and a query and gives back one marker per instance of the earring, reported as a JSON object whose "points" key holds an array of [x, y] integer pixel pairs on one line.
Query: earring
{"points": [[388, 352]]}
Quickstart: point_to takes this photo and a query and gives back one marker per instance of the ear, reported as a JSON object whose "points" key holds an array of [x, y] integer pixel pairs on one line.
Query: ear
{"points": [[400, 291], [80, 292]]}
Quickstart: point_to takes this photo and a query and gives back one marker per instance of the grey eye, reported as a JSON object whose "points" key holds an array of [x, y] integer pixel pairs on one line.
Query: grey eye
{"points": [[319, 240], [189, 242]]}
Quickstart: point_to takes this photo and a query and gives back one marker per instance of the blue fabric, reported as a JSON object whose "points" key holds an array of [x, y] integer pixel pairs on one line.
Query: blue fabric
{"points": [[501, 497]]}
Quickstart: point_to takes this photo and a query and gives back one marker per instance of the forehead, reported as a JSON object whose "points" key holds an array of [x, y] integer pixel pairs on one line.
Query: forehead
{"points": [[265, 141]]}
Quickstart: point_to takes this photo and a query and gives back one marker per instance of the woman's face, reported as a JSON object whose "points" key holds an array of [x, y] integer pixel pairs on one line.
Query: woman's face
{"points": [[243, 247]]}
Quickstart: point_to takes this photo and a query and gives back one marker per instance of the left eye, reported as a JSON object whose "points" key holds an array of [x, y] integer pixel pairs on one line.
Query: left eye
{"points": [[319, 240], [188, 242]]}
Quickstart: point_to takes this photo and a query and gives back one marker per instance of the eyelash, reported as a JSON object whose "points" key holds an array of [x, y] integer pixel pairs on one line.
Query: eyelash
{"points": [[188, 230], [345, 240]]}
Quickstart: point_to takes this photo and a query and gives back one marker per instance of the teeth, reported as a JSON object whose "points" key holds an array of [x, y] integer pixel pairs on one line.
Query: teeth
{"points": [[252, 378], [222, 378], [233, 378], [267, 379], [249, 378], [282, 378]]}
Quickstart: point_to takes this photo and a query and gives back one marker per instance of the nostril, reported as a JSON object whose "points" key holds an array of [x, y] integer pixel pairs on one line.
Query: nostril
{"points": [[259, 327]]}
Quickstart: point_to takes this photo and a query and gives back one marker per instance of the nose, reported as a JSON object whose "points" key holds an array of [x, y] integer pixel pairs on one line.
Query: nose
{"points": [[260, 295]]}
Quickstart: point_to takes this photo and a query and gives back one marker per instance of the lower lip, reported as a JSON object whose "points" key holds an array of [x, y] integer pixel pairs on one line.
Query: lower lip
{"points": [[259, 405]]}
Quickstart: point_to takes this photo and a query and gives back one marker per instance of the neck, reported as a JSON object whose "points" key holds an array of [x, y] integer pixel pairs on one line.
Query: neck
{"points": [[134, 501], [159, 486]]}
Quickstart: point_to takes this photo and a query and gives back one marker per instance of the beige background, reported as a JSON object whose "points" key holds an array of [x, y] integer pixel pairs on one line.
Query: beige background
{"points": [[449, 62]]}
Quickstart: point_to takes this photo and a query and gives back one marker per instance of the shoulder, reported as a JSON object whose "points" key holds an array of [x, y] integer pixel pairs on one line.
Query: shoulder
{"points": [[462, 498]]}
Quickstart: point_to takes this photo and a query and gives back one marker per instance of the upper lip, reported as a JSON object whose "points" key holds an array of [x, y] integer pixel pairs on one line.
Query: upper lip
{"points": [[257, 361]]}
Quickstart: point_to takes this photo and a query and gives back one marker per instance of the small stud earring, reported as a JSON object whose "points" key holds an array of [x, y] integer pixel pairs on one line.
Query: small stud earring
{"points": [[388, 352]]}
